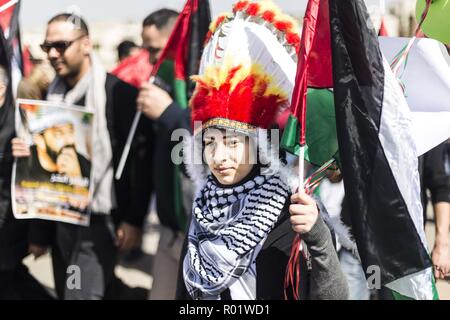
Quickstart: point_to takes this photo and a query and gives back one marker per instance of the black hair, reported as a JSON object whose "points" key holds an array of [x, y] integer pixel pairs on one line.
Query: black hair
{"points": [[74, 19], [160, 19], [124, 48]]}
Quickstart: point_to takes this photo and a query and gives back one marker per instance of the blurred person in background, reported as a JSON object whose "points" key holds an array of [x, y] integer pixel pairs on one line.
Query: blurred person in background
{"points": [[118, 207], [167, 116], [16, 283], [126, 48], [435, 179], [35, 86]]}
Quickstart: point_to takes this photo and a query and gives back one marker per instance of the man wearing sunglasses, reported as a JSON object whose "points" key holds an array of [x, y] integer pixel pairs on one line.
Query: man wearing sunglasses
{"points": [[121, 205]]}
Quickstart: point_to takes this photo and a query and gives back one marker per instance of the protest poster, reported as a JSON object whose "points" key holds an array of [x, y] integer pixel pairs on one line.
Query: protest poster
{"points": [[54, 182]]}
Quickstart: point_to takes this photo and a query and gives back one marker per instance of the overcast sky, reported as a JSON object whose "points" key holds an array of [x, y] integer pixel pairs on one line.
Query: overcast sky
{"points": [[35, 13]]}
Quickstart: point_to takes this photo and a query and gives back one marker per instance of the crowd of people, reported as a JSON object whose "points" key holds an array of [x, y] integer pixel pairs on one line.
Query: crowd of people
{"points": [[233, 236]]}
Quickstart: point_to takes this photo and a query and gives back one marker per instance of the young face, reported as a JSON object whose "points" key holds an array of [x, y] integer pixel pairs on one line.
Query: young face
{"points": [[228, 155], [69, 61]]}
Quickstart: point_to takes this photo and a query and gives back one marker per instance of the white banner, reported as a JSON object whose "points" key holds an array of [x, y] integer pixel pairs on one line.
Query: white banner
{"points": [[426, 78]]}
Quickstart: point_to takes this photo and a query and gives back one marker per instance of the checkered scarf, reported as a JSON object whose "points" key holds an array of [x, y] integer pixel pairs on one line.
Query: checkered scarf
{"points": [[229, 226]]}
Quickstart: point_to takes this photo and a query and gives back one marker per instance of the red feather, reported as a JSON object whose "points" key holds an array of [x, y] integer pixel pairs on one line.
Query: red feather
{"points": [[249, 102], [269, 16], [239, 6], [208, 37], [292, 38], [220, 21], [283, 26], [253, 9], [216, 24]]}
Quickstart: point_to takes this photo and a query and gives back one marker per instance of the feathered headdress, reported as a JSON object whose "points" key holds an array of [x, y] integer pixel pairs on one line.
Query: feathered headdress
{"points": [[247, 70]]}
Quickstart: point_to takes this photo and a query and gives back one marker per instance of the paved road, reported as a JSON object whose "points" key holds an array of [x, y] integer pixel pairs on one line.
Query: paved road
{"points": [[137, 274]]}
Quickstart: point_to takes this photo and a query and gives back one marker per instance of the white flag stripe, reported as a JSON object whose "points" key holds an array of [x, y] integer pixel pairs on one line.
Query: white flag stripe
{"points": [[427, 88], [396, 138], [417, 286], [430, 129]]}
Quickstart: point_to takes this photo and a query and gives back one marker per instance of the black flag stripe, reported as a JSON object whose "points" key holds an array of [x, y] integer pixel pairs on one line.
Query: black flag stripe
{"points": [[382, 226]]}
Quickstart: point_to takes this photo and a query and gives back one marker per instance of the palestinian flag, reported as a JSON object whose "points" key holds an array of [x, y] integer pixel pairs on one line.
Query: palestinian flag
{"points": [[179, 60], [7, 130], [9, 22], [313, 73], [9, 13], [376, 149], [428, 95], [9, 18], [27, 61], [378, 155], [134, 70], [181, 56]]}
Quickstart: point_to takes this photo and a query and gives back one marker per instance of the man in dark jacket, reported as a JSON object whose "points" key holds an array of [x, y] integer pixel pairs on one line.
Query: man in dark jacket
{"points": [[435, 179], [16, 283], [82, 81], [167, 116]]}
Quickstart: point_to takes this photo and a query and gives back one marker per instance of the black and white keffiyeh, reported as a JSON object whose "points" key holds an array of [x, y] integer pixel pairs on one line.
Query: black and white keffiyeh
{"points": [[229, 226]]}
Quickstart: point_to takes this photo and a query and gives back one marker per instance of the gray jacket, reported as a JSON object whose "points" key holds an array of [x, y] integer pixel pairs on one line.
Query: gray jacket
{"points": [[321, 276]]}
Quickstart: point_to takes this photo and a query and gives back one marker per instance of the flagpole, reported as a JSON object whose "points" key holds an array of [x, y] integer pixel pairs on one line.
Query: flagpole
{"points": [[301, 169], [8, 5], [126, 150], [137, 117]]}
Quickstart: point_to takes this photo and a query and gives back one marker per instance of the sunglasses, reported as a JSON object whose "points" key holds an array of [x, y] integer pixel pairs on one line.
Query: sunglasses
{"points": [[60, 46]]}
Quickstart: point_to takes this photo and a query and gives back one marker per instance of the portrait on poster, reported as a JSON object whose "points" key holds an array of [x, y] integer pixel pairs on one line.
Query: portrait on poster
{"points": [[54, 182]]}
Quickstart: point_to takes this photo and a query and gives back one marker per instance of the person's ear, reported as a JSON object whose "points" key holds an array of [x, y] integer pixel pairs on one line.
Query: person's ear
{"points": [[2, 94], [86, 45]]}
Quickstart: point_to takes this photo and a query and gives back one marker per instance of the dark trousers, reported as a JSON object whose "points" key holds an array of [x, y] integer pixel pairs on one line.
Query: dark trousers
{"points": [[16, 283], [19, 284], [84, 259]]}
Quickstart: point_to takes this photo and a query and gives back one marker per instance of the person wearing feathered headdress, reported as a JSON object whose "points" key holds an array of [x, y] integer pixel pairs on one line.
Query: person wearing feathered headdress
{"points": [[241, 233]]}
